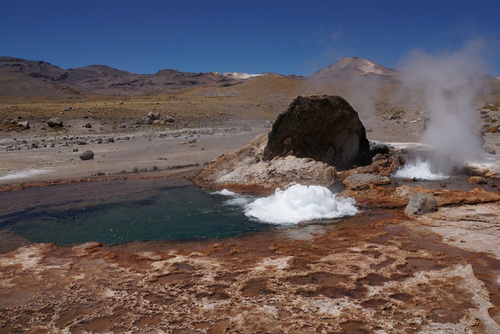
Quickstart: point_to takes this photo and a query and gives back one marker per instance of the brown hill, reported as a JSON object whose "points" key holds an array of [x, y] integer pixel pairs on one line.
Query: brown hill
{"points": [[20, 77], [25, 78]]}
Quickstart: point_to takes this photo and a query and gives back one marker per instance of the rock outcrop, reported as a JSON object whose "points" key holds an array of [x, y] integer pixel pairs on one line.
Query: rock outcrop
{"points": [[324, 128], [245, 171], [308, 142]]}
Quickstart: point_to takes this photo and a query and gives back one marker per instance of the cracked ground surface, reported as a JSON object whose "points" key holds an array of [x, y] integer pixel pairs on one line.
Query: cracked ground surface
{"points": [[377, 272]]}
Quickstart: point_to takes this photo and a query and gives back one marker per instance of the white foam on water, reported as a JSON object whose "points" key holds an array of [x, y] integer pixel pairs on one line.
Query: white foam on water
{"points": [[298, 204], [224, 192], [24, 173], [234, 198], [420, 170]]}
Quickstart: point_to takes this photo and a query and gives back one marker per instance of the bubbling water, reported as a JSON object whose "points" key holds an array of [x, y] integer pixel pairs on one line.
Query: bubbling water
{"points": [[300, 203], [420, 170]]}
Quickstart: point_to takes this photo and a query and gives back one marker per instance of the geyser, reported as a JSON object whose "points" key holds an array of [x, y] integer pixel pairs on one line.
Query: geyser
{"points": [[300, 203], [449, 84], [421, 170]]}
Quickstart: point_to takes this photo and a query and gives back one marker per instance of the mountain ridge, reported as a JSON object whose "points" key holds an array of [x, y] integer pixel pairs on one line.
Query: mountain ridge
{"points": [[21, 77]]}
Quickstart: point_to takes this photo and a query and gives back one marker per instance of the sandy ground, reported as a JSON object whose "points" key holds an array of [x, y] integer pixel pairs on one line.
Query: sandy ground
{"points": [[32, 156]]}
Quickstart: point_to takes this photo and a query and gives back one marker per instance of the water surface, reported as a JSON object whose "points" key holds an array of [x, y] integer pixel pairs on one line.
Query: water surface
{"points": [[121, 211]]}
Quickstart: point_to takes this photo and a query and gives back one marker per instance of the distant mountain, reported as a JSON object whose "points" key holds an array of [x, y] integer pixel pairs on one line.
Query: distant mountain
{"points": [[237, 75], [20, 77], [346, 68]]}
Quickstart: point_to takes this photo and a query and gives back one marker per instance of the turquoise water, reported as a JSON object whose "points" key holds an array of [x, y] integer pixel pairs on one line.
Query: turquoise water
{"points": [[121, 211]]}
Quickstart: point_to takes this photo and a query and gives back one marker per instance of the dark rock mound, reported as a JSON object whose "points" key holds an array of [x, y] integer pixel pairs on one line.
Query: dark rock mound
{"points": [[324, 128]]}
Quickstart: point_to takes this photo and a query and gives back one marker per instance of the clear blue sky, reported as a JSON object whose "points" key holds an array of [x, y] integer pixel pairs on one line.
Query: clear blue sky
{"points": [[287, 37]]}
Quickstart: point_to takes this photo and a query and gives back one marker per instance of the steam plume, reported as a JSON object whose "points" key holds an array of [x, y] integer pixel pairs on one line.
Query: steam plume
{"points": [[448, 84]]}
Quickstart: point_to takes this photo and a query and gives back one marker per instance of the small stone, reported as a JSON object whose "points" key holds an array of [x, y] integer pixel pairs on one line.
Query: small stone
{"points": [[55, 122], [378, 147], [477, 180], [87, 155], [420, 204], [25, 125], [153, 115]]}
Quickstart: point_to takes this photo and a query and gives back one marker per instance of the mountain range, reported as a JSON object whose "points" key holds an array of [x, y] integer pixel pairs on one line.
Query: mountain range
{"points": [[21, 77]]}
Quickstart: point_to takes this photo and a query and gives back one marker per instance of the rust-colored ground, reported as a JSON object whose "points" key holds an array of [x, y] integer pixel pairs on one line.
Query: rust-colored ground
{"points": [[376, 272]]}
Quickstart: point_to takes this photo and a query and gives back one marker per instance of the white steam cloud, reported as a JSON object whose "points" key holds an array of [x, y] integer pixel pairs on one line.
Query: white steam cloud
{"points": [[448, 84]]}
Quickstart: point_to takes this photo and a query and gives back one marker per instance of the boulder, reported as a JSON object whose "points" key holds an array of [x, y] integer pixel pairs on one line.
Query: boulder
{"points": [[420, 204], [364, 180], [55, 122], [245, 171], [87, 155], [324, 128]]}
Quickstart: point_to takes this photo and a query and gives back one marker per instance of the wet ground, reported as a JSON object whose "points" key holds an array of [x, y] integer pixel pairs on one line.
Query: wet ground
{"points": [[375, 272]]}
